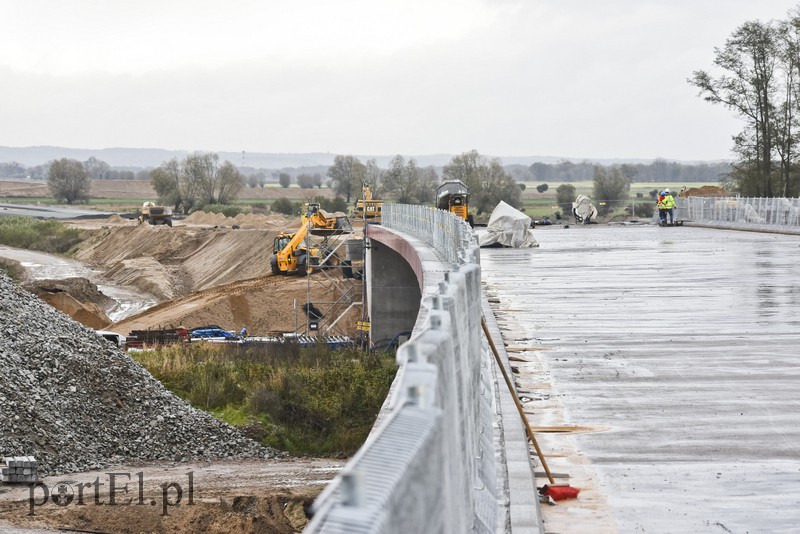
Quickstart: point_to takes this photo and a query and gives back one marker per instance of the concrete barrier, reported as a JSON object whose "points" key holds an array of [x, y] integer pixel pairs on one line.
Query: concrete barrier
{"points": [[430, 463], [760, 214]]}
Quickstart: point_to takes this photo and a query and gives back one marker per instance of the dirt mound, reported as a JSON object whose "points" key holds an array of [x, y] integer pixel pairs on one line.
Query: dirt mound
{"points": [[209, 219], [76, 402], [170, 262], [265, 306], [242, 220], [116, 219], [704, 191], [77, 297]]}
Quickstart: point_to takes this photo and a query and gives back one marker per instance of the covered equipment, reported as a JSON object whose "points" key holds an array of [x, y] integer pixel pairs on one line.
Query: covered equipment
{"points": [[583, 210], [508, 227]]}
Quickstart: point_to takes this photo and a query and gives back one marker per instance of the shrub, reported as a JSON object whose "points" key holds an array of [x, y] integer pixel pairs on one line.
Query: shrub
{"points": [[303, 400], [33, 234], [285, 206]]}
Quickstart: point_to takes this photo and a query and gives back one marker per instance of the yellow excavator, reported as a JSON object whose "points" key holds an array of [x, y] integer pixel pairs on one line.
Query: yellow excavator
{"points": [[453, 196], [294, 252]]}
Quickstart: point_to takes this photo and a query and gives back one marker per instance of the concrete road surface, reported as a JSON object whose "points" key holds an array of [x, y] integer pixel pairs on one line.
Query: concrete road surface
{"points": [[50, 212], [682, 347]]}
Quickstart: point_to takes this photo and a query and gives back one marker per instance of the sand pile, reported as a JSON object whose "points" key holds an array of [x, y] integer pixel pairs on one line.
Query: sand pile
{"points": [[705, 191]]}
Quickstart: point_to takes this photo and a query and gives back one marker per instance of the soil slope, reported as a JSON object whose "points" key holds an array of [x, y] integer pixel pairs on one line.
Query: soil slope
{"points": [[206, 272]]}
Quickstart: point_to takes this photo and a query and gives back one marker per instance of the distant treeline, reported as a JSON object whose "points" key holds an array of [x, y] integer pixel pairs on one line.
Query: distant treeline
{"points": [[565, 171], [657, 171]]}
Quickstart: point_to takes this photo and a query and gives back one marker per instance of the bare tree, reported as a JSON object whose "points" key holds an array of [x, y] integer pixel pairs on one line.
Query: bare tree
{"points": [[97, 168], [196, 181]]}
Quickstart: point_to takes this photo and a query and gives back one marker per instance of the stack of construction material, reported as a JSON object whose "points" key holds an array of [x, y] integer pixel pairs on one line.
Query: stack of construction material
{"points": [[19, 469], [76, 402]]}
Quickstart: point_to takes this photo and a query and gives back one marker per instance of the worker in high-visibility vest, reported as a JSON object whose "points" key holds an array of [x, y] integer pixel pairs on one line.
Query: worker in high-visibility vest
{"points": [[669, 205], [662, 210]]}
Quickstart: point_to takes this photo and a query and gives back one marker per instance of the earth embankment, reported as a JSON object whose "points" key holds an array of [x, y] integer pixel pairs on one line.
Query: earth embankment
{"points": [[204, 271]]}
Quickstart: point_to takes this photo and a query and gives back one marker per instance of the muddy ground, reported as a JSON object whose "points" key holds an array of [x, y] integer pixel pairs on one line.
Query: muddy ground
{"points": [[251, 496]]}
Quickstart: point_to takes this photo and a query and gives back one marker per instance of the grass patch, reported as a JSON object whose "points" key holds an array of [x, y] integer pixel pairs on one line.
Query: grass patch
{"points": [[301, 400], [34, 234], [12, 269]]}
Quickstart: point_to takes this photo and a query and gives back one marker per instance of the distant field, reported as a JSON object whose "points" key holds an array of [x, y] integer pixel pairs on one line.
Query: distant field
{"points": [[538, 205], [128, 195]]}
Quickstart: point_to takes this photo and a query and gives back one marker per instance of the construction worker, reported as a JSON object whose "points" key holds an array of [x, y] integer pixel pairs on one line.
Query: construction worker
{"points": [[669, 205], [662, 209]]}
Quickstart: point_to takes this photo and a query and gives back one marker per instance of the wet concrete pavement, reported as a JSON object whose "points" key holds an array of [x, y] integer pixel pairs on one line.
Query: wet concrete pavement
{"points": [[681, 348]]}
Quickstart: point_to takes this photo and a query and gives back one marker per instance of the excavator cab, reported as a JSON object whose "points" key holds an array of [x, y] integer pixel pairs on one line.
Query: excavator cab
{"points": [[453, 196], [281, 240]]}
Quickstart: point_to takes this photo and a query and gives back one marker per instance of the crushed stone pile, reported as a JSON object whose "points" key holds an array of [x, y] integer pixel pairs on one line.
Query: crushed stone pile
{"points": [[76, 402]]}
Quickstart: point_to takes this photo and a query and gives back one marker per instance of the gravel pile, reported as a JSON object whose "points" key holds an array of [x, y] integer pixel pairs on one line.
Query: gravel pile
{"points": [[76, 402]]}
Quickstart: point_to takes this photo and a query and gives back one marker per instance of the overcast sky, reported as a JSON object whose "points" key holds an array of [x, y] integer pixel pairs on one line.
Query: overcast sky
{"points": [[566, 78]]}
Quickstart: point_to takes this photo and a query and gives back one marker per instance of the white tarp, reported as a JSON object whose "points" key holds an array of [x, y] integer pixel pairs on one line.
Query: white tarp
{"points": [[508, 227], [583, 209]]}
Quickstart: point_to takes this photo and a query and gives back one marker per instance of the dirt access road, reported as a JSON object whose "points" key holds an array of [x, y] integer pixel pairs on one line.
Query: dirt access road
{"points": [[221, 497]]}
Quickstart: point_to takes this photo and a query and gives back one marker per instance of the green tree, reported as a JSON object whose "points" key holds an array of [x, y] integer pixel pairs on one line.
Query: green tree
{"points": [[68, 179], [428, 180], [172, 186], [749, 86], [347, 174], [305, 181], [565, 196], [487, 181], [285, 180], [285, 206], [542, 188], [610, 187]]}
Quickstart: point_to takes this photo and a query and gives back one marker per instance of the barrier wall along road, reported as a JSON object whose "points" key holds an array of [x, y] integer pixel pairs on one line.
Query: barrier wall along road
{"points": [[429, 464]]}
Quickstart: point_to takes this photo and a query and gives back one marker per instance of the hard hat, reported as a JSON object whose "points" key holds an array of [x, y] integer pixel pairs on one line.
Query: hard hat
{"points": [[666, 190]]}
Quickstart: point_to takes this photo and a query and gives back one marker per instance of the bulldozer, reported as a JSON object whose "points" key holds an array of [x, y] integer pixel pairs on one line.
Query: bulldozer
{"points": [[154, 214], [366, 206], [295, 252], [453, 196]]}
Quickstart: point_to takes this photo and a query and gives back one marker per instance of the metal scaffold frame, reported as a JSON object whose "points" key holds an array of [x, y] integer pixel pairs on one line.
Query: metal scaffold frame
{"points": [[335, 277]]}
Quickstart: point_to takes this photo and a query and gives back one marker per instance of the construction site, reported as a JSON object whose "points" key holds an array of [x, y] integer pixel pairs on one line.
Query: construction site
{"points": [[205, 270]]}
